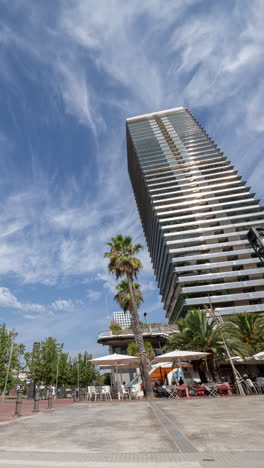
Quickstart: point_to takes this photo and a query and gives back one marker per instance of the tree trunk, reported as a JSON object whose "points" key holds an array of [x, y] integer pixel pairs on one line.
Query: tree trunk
{"points": [[213, 367], [140, 342], [199, 366]]}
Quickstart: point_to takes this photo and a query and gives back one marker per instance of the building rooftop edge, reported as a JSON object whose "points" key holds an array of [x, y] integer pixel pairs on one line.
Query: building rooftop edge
{"points": [[154, 113]]}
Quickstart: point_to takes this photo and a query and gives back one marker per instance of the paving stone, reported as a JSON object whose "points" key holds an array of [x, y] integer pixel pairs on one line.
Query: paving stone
{"points": [[195, 433]]}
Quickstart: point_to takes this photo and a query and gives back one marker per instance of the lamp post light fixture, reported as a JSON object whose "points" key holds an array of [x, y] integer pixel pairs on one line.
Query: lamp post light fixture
{"points": [[219, 320], [13, 336], [36, 346], [256, 239], [78, 379], [59, 348]]}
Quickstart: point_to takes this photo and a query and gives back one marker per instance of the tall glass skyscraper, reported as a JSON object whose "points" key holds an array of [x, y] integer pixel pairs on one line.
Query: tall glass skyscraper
{"points": [[195, 211]]}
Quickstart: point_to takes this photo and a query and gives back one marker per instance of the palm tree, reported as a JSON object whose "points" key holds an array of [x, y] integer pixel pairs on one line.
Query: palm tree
{"points": [[249, 330], [123, 296], [197, 333], [123, 262]]}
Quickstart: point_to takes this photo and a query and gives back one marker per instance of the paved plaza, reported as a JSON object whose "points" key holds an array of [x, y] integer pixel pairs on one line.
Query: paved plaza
{"points": [[194, 433], [7, 409]]}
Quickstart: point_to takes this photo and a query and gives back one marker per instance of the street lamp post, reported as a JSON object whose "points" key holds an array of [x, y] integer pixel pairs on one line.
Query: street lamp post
{"points": [[13, 336], [78, 379], [218, 319], [59, 348], [36, 347]]}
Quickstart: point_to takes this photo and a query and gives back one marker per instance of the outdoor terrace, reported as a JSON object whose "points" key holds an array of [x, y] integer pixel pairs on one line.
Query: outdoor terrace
{"points": [[152, 333]]}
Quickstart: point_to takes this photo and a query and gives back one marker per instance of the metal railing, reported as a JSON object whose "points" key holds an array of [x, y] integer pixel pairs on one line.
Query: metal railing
{"points": [[146, 329]]}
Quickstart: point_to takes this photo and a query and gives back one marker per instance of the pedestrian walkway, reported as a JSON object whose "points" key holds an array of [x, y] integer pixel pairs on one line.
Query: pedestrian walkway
{"points": [[193, 433], [7, 409]]}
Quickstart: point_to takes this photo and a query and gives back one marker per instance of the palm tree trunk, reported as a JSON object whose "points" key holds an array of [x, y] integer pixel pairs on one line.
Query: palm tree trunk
{"points": [[140, 342], [213, 367]]}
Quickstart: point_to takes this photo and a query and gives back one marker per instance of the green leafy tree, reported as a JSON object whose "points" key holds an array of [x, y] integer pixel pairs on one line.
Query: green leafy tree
{"points": [[20, 348], [198, 333], [132, 349], [5, 349], [115, 327], [42, 362], [34, 363], [124, 263], [123, 297], [81, 369], [63, 369], [248, 329]]}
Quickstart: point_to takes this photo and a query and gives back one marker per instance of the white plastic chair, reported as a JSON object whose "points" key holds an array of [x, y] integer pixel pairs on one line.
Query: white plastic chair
{"points": [[124, 392], [140, 394], [105, 392], [133, 393], [89, 393], [94, 392]]}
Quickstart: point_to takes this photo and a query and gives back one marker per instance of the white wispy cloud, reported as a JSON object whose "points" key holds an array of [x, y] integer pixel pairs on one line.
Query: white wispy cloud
{"points": [[93, 295], [205, 52], [7, 299], [97, 63]]}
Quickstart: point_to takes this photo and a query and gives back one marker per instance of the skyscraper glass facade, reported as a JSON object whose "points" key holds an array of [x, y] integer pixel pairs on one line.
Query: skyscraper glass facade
{"points": [[196, 211]]}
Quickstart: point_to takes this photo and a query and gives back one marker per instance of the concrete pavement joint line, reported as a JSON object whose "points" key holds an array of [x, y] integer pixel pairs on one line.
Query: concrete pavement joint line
{"points": [[181, 442]]}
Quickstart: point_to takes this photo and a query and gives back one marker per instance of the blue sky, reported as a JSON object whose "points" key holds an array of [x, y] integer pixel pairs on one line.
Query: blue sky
{"points": [[71, 72]]}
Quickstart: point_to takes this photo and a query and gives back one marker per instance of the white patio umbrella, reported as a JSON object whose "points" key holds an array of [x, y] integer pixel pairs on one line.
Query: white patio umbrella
{"points": [[116, 361], [255, 359], [128, 365], [178, 354], [258, 356]]}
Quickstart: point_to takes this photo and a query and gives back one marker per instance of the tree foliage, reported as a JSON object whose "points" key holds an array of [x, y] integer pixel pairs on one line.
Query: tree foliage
{"points": [[123, 297], [47, 356], [132, 349], [82, 370], [122, 260], [5, 349], [199, 333], [115, 326], [124, 263], [247, 329]]}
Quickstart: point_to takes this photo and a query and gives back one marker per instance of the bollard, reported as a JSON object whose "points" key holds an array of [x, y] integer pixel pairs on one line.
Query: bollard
{"points": [[19, 402], [50, 398], [36, 401]]}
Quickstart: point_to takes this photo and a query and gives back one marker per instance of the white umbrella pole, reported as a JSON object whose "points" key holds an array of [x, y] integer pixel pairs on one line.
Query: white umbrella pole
{"points": [[117, 383]]}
